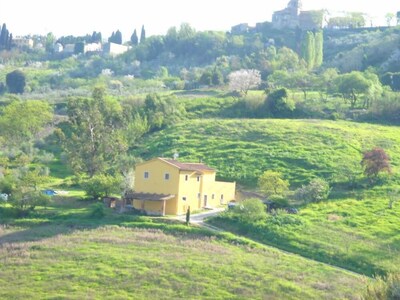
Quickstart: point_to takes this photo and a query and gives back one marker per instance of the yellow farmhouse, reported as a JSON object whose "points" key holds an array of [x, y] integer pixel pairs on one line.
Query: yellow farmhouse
{"points": [[169, 187]]}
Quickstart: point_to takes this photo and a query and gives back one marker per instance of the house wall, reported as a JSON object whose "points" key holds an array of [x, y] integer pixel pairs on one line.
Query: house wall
{"points": [[156, 183], [151, 207], [191, 188]]}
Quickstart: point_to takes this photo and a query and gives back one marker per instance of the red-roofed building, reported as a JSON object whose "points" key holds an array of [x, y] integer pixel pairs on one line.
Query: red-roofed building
{"points": [[169, 187]]}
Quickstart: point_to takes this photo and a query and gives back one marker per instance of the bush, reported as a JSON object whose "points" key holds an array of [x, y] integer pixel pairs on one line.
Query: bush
{"points": [[102, 185], [97, 210], [250, 211], [279, 201], [317, 190]]}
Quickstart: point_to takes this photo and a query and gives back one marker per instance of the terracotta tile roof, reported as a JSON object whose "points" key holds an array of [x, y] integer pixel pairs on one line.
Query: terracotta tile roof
{"points": [[199, 167]]}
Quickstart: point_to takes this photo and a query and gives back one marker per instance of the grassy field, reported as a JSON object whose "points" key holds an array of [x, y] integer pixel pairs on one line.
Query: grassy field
{"points": [[62, 253], [242, 149], [353, 229], [360, 235]]}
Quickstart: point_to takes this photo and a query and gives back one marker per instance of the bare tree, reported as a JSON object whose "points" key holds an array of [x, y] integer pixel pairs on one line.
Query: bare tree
{"points": [[243, 80]]}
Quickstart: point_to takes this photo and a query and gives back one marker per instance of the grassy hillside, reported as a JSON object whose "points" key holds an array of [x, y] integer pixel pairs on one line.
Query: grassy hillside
{"points": [[354, 229], [60, 252], [301, 149]]}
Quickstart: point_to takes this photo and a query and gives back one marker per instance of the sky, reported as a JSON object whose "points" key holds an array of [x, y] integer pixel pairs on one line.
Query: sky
{"points": [[79, 17]]}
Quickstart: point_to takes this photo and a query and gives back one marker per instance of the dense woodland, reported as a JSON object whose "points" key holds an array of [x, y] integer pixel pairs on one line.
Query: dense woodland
{"points": [[315, 111]]}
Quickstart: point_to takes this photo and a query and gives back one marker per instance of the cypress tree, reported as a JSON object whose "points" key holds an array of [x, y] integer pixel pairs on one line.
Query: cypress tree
{"points": [[118, 37], [308, 49], [134, 38], [10, 39], [142, 35], [112, 37], [319, 48], [3, 36]]}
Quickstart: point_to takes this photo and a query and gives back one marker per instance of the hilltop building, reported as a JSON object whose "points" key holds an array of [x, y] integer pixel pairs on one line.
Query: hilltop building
{"points": [[292, 17], [168, 186]]}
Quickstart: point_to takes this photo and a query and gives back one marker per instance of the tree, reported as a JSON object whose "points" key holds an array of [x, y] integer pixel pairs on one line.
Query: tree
{"points": [[319, 48], [16, 82], [21, 121], [279, 104], [93, 138], [142, 35], [24, 193], [271, 183], [118, 37], [251, 210], [375, 161], [4, 37], [50, 41], [102, 185], [308, 49], [243, 80], [317, 190], [352, 86], [188, 216], [389, 17], [134, 38]]}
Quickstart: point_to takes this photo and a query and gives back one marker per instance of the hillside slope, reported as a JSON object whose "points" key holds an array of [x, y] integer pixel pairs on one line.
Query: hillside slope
{"points": [[127, 263], [242, 149]]}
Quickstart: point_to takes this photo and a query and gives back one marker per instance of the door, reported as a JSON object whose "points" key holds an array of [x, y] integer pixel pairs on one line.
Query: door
{"points": [[205, 200]]}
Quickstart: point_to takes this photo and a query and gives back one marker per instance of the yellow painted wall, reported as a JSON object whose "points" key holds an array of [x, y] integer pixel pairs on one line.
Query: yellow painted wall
{"points": [[151, 207], [189, 189], [156, 182], [184, 184]]}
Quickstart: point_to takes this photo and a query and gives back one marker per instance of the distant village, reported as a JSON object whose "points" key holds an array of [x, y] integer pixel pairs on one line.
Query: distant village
{"points": [[110, 48], [291, 17]]}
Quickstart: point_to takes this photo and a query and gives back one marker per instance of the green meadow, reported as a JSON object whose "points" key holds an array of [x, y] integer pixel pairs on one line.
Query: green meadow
{"points": [[353, 229], [61, 252]]}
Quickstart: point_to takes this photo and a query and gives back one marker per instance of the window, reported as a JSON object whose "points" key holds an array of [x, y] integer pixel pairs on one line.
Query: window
{"points": [[146, 175], [212, 196], [198, 196], [186, 177], [166, 176], [184, 198], [198, 178], [222, 196]]}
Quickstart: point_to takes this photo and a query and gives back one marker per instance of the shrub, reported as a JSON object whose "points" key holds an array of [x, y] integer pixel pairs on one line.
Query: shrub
{"points": [[102, 185], [317, 190], [97, 210], [250, 211], [279, 201]]}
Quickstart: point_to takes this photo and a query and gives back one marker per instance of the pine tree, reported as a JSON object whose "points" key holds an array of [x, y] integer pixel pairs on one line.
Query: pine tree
{"points": [[142, 35], [134, 38]]}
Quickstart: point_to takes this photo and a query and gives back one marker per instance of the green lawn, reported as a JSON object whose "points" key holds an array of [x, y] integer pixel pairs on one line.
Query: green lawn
{"points": [[61, 253]]}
